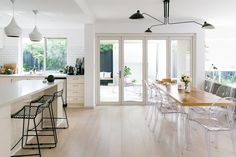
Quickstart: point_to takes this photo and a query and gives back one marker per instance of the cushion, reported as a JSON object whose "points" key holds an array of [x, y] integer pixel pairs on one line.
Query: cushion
{"points": [[107, 74], [101, 74]]}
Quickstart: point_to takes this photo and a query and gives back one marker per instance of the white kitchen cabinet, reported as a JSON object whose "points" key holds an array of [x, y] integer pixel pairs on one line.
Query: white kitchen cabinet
{"points": [[75, 91]]}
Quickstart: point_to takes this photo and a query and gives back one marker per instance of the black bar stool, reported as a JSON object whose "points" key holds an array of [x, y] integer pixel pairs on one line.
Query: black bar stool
{"points": [[28, 112], [53, 97], [47, 104]]}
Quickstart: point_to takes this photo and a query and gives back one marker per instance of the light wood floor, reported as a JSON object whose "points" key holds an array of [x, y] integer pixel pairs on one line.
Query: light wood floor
{"points": [[123, 132]]}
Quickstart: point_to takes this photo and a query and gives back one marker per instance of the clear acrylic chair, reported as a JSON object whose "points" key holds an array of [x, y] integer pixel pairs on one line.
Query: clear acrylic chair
{"points": [[224, 91], [166, 106], [215, 87], [207, 86], [219, 118], [151, 101]]}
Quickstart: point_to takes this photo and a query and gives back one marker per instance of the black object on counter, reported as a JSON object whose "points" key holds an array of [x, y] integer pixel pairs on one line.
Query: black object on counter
{"points": [[51, 78], [70, 70]]}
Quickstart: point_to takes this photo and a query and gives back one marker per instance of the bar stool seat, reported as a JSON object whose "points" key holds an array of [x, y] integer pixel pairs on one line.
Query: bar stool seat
{"points": [[52, 98], [28, 112]]}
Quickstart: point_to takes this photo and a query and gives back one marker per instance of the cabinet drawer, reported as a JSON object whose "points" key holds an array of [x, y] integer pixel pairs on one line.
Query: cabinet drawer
{"points": [[75, 93], [75, 79], [71, 99], [75, 87]]}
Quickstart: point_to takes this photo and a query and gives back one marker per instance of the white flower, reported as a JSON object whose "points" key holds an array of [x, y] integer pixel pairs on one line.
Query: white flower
{"points": [[185, 78]]}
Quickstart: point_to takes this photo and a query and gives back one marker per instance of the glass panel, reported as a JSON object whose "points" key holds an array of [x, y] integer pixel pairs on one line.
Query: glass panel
{"points": [[109, 71], [156, 59], [133, 70], [180, 57], [33, 55], [220, 60], [56, 54]]}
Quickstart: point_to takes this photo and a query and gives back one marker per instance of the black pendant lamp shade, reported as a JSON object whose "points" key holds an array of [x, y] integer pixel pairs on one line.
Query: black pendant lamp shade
{"points": [[148, 30], [207, 26], [137, 15]]}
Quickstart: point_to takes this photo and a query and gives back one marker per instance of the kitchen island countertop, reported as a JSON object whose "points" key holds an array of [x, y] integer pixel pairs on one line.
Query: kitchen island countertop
{"points": [[10, 93]]}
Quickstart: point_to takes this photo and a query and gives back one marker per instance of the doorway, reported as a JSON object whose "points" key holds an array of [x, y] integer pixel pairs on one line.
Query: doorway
{"points": [[124, 62]]}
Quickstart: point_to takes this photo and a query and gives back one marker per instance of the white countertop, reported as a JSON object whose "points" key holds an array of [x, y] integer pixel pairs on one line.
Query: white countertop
{"points": [[38, 75], [11, 93], [32, 75]]}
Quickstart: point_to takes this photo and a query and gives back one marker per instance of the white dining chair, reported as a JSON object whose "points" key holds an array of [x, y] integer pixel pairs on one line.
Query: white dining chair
{"points": [[150, 101], [218, 119], [167, 106]]}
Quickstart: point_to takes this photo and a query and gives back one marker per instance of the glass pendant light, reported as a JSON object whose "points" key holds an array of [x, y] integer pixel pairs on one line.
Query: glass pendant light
{"points": [[12, 29], [35, 35]]}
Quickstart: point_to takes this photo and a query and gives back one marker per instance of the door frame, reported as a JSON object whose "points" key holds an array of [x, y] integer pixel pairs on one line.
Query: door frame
{"points": [[145, 37], [143, 70], [97, 70]]}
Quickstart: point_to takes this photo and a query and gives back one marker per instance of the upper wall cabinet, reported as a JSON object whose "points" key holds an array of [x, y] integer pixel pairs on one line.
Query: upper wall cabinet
{"points": [[1, 38]]}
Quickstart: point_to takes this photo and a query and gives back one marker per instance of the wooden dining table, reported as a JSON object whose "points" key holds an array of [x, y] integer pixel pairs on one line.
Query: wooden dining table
{"points": [[195, 97]]}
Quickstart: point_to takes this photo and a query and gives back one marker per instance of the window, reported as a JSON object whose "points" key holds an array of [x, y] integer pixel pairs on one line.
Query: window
{"points": [[47, 55], [181, 50], [220, 61], [33, 55]]}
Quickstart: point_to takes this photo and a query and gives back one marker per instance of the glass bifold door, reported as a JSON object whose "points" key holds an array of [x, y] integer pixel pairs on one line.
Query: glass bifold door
{"points": [[124, 63]]}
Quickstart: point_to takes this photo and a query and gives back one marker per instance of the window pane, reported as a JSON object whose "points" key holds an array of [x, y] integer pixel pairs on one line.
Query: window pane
{"points": [[33, 55], [109, 70], [156, 59], [133, 70], [180, 57], [56, 54], [220, 60]]}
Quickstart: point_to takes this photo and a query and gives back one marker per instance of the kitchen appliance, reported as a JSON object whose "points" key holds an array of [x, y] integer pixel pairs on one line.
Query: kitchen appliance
{"points": [[70, 70], [79, 66]]}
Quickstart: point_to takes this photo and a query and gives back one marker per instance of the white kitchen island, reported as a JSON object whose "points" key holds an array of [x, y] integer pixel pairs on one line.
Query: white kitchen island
{"points": [[14, 96]]}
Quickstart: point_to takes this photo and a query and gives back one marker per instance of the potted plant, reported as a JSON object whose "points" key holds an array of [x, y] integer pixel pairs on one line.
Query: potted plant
{"points": [[127, 71]]}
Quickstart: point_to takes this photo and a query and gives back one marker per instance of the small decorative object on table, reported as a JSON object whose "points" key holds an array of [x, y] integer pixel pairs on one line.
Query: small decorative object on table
{"points": [[186, 79], [50, 78]]}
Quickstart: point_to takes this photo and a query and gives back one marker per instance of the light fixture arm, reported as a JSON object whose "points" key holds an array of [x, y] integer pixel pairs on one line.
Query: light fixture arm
{"points": [[156, 25], [153, 17], [175, 23]]}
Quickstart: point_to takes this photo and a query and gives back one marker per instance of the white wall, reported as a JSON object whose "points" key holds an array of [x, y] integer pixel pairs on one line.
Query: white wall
{"points": [[138, 27], [11, 51], [222, 32], [220, 48], [89, 90]]}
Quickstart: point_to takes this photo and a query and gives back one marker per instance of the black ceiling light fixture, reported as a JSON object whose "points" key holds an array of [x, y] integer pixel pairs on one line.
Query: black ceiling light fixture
{"points": [[139, 15]]}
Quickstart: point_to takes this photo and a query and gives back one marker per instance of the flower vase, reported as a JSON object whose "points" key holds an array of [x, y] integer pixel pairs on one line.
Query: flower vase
{"points": [[187, 87]]}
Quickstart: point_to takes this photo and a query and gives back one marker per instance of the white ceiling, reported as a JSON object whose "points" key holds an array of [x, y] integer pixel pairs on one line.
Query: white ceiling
{"points": [[218, 12], [71, 13], [52, 13]]}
